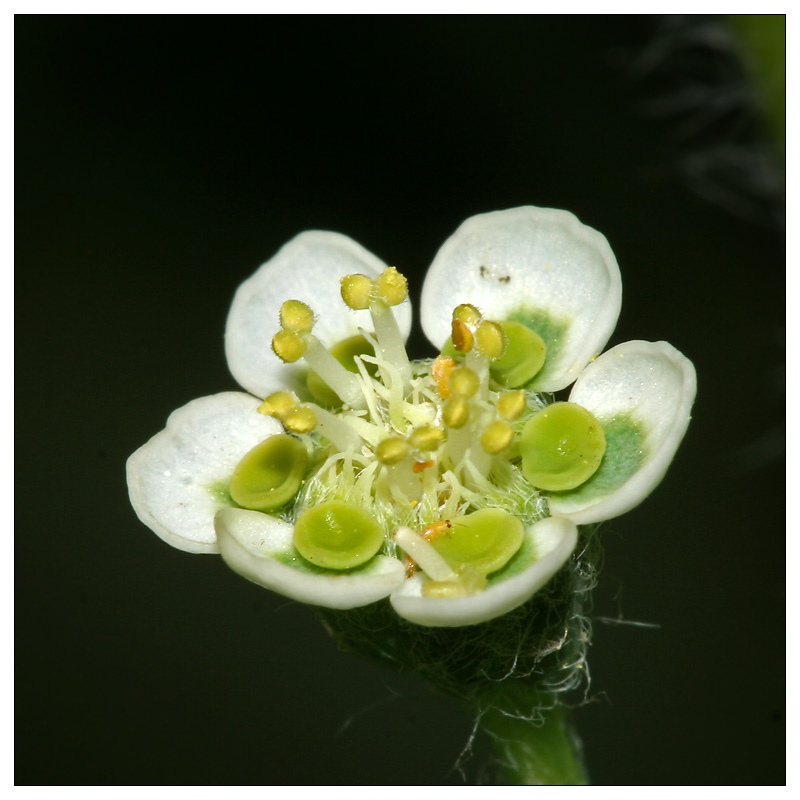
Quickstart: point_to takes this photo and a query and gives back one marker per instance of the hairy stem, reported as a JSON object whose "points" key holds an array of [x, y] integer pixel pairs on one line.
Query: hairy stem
{"points": [[540, 749]]}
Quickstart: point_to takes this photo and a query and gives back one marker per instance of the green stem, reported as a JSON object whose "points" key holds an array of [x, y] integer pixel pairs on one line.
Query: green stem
{"points": [[540, 749]]}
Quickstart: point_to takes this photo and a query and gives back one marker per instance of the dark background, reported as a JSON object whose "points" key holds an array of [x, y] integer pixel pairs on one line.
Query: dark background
{"points": [[160, 160]]}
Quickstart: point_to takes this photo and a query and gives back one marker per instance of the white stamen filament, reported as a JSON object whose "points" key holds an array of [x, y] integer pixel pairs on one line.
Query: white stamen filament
{"points": [[391, 347], [346, 384], [338, 431], [424, 554]]}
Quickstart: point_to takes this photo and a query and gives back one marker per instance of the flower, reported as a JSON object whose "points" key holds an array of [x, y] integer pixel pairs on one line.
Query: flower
{"points": [[452, 486]]}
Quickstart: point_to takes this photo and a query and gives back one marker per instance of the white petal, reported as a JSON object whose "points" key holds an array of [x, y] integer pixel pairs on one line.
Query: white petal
{"points": [[536, 265], [307, 268], [552, 540], [259, 548], [179, 479], [643, 393]]}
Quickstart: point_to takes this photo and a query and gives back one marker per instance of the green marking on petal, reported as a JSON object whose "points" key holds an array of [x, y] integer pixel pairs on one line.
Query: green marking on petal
{"points": [[519, 562], [222, 494], [337, 535], [562, 447], [552, 331], [345, 353], [626, 451], [271, 474]]}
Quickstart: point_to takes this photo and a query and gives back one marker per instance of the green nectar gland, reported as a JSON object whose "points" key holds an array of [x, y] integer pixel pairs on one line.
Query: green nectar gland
{"points": [[480, 543], [337, 535], [523, 357], [425, 447], [270, 475], [561, 447]]}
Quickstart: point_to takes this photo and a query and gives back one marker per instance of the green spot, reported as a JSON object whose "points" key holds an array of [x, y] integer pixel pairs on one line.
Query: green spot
{"points": [[626, 451], [523, 358], [222, 494], [345, 353], [552, 331], [337, 535], [271, 474], [481, 542], [561, 447], [519, 562]]}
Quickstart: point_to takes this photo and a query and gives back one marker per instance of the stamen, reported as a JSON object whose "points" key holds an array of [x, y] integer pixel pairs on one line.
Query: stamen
{"points": [[345, 383], [391, 347], [296, 316], [497, 437], [277, 404], [337, 431], [463, 382], [455, 413], [288, 346], [426, 438], [357, 291], [391, 286], [467, 314], [441, 368], [423, 553], [300, 419], [392, 450], [510, 405], [490, 340], [462, 336]]}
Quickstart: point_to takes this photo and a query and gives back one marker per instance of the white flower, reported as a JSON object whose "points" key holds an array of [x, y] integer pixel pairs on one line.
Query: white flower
{"points": [[451, 486]]}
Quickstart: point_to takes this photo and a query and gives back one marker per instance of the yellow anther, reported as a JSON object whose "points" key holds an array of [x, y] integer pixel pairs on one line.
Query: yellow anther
{"points": [[277, 404], [496, 437], [510, 405], [392, 450], [441, 368], [456, 412], [357, 290], [462, 336], [490, 340], [300, 419], [463, 382], [426, 438], [296, 316], [467, 314], [288, 346], [392, 286]]}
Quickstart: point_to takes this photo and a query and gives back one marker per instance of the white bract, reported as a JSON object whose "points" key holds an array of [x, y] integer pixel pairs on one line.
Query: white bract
{"points": [[452, 486]]}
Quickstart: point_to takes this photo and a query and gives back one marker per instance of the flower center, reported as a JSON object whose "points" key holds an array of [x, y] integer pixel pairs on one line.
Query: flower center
{"points": [[436, 460]]}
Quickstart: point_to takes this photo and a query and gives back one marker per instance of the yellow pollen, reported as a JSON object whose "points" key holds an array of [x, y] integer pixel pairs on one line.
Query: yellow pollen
{"points": [[463, 382], [357, 290], [300, 419], [496, 437], [288, 346], [296, 316], [426, 438], [391, 286], [441, 368], [462, 336], [456, 412], [277, 404], [510, 405], [467, 314], [392, 450], [490, 340]]}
